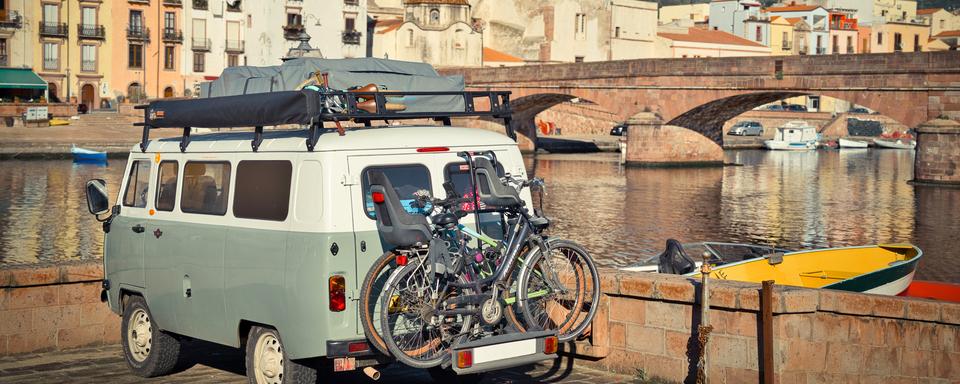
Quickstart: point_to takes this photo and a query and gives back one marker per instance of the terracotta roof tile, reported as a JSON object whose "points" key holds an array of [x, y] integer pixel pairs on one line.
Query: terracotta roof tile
{"points": [[928, 11], [493, 55], [388, 25], [955, 33], [793, 8], [794, 20], [697, 35]]}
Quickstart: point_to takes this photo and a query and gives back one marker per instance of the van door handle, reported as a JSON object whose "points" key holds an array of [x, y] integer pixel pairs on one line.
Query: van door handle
{"points": [[138, 228]]}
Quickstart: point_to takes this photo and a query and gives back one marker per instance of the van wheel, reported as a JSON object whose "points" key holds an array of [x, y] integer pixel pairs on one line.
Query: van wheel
{"points": [[441, 375], [267, 362], [148, 350]]}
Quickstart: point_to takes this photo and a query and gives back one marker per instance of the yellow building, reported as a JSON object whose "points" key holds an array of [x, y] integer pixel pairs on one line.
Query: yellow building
{"points": [[896, 36], [781, 36], [148, 40], [74, 50]]}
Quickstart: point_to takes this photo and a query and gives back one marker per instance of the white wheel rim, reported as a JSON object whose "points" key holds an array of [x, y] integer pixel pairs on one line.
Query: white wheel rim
{"points": [[268, 359], [139, 335]]}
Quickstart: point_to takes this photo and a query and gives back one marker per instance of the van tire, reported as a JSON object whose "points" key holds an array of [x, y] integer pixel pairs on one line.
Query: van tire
{"points": [[264, 347], [149, 351], [444, 376]]}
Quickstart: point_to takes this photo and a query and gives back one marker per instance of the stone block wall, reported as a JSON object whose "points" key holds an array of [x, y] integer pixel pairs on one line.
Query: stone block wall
{"points": [[54, 307], [653, 144], [18, 109], [647, 323], [938, 153]]}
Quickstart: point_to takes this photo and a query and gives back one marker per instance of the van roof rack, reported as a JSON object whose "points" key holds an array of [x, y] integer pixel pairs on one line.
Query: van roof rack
{"points": [[310, 108]]}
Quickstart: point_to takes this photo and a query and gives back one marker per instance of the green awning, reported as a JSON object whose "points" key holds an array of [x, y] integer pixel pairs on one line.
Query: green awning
{"points": [[20, 78]]}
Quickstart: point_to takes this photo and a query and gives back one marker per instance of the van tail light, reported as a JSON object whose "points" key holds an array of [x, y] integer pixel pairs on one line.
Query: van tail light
{"points": [[402, 260], [378, 197], [550, 345], [338, 293], [465, 358]]}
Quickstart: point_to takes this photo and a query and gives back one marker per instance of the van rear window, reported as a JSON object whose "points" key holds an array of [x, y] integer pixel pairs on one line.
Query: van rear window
{"points": [[263, 190], [206, 186], [406, 180], [137, 182]]}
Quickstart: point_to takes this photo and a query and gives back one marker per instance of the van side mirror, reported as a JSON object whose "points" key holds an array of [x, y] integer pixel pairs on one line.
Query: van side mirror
{"points": [[98, 202]]}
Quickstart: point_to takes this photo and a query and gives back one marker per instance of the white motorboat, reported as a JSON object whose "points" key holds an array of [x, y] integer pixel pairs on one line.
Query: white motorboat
{"points": [[796, 135], [895, 143], [847, 143]]}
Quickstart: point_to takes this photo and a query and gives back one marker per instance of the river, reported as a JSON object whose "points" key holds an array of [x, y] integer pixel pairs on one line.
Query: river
{"points": [[797, 200]]}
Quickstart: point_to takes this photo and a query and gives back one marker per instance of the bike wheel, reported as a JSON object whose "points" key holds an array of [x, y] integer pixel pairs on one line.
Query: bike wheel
{"points": [[559, 290], [371, 294], [412, 329]]}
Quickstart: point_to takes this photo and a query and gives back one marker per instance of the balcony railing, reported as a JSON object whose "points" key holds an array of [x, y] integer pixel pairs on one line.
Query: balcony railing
{"points": [[88, 65], [53, 29], [234, 46], [4, 61], [200, 5], [821, 50], [139, 1], [86, 31], [898, 47], [292, 31], [787, 46], [10, 20], [233, 5], [200, 44], [351, 37], [850, 49], [173, 3], [138, 34], [53, 64], [172, 36]]}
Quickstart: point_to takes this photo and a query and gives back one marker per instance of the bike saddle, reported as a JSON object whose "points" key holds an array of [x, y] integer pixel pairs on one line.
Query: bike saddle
{"points": [[445, 220], [539, 222], [497, 194], [395, 224]]}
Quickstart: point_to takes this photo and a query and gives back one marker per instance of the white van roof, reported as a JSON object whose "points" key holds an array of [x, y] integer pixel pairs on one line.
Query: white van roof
{"points": [[361, 138]]}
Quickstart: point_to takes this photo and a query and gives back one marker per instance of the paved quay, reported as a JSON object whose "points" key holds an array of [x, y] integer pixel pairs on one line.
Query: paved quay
{"points": [[210, 363]]}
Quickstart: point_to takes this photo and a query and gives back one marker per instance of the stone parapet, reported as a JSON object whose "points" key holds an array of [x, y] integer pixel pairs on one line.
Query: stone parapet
{"points": [[938, 153]]}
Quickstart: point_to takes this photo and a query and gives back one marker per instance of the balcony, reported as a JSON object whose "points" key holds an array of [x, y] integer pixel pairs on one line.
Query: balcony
{"points": [[200, 5], [786, 46], [351, 37], [138, 34], [172, 36], [173, 3], [850, 49], [51, 64], [139, 1], [87, 31], [821, 50], [234, 46], [88, 65], [292, 31], [200, 44], [10, 20], [53, 29]]}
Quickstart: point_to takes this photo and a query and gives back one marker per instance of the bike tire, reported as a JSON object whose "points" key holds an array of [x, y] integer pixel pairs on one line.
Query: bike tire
{"points": [[587, 285], [370, 294]]}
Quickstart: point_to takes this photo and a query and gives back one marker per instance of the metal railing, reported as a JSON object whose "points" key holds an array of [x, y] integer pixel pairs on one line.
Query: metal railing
{"points": [[351, 37], [51, 64], [786, 46], [200, 44], [235, 46], [850, 49], [53, 29], [11, 20], [821, 50], [292, 31], [173, 3], [200, 4], [172, 35], [233, 7], [88, 65], [351, 2], [139, 1], [87, 31], [898, 47], [138, 33]]}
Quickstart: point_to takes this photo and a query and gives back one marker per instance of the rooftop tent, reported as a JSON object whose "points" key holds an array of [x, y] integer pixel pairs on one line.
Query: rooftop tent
{"points": [[20, 78], [343, 74]]}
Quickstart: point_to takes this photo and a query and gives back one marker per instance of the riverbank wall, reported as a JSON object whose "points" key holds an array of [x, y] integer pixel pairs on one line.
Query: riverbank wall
{"points": [[645, 326]]}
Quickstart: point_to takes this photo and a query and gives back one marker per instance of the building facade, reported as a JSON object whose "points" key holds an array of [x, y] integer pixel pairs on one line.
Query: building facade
{"points": [[698, 13], [844, 35], [438, 32], [729, 15], [894, 36], [73, 50], [682, 40], [781, 37], [148, 41], [939, 20], [870, 12], [816, 17], [16, 45]]}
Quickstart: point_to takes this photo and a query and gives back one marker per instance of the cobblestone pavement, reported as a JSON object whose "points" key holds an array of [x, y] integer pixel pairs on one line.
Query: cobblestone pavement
{"points": [[209, 363]]}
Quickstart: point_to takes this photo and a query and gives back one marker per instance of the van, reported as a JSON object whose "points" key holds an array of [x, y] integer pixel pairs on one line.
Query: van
{"points": [[263, 244]]}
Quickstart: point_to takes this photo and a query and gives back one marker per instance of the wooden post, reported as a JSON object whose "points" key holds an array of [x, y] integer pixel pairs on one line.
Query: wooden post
{"points": [[766, 308]]}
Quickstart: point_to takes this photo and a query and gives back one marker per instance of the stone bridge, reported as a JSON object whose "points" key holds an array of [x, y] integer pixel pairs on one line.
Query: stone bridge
{"points": [[701, 94]]}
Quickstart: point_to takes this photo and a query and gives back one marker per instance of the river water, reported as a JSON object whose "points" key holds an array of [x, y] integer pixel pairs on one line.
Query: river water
{"points": [[791, 199]]}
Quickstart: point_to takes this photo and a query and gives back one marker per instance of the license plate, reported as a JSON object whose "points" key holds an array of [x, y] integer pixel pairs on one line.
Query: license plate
{"points": [[504, 351], [341, 364]]}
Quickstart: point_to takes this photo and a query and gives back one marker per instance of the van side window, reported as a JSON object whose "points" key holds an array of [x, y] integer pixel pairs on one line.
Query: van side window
{"points": [[406, 180], [206, 186], [167, 185], [137, 182], [263, 190]]}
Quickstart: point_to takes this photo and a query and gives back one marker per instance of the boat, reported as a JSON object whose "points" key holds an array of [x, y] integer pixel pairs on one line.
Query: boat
{"points": [[933, 290], [795, 135], [847, 143], [895, 143], [83, 154], [885, 269], [718, 253]]}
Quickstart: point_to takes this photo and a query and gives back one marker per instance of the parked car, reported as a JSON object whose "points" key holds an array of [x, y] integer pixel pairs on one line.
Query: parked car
{"points": [[795, 108], [775, 107], [619, 130], [747, 128]]}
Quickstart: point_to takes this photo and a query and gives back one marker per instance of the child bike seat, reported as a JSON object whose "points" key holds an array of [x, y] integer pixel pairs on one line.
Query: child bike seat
{"points": [[396, 225], [498, 194]]}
